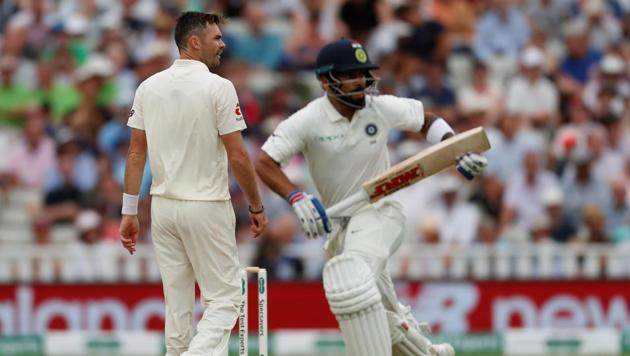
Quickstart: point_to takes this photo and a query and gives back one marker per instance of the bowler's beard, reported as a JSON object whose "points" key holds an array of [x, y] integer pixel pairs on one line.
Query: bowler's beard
{"points": [[210, 58]]}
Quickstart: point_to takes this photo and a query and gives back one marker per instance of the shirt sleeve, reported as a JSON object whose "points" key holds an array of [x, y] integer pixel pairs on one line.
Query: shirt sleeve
{"points": [[229, 116], [136, 117], [401, 113], [286, 140]]}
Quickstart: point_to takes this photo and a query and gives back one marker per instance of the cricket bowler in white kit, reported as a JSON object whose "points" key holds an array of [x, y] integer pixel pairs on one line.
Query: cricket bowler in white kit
{"points": [[188, 121], [343, 136]]}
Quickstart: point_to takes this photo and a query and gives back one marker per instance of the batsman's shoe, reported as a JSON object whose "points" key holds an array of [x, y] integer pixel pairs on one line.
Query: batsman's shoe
{"points": [[441, 350]]}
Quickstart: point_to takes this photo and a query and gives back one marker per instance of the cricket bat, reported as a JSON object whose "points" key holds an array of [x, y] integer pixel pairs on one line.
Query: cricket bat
{"points": [[415, 168]]}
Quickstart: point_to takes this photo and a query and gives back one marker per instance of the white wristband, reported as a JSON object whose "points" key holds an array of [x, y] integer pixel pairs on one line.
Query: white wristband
{"points": [[438, 129], [130, 204]]}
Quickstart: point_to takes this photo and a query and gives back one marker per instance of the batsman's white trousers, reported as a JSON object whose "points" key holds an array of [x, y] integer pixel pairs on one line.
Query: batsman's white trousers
{"points": [[374, 233], [196, 240]]}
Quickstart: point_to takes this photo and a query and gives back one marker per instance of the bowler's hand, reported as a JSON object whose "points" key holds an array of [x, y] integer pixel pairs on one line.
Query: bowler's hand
{"points": [[129, 227], [259, 223], [471, 164]]}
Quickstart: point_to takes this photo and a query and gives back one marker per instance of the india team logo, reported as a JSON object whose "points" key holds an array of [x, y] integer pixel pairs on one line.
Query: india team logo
{"points": [[360, 55], [371, 129]]}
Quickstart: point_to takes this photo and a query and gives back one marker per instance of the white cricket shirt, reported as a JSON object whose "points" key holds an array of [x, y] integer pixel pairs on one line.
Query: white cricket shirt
{"points": [[184, 110], [342, 154]]}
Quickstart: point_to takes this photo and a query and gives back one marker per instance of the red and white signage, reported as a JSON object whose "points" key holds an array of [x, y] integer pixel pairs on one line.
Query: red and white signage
{"points": [[450, 307], [495, 306]]}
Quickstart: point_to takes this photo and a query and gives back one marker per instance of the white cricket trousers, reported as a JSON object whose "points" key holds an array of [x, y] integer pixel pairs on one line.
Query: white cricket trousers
{"points": [[374, 233], [195, 240]]}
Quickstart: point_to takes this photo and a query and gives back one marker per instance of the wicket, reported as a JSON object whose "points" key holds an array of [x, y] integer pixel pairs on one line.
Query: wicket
{"points": [[243, 349]]}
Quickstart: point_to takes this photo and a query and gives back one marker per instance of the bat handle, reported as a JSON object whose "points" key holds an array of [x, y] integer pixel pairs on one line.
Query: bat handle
{"points": [[335, 210]]}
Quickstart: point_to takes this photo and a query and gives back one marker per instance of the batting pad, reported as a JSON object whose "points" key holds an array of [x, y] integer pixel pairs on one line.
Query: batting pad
{"points": [[356, 302]]}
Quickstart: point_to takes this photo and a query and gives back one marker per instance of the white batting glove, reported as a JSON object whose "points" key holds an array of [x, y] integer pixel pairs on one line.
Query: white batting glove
{"points": [[311, 214], [471, 164]]}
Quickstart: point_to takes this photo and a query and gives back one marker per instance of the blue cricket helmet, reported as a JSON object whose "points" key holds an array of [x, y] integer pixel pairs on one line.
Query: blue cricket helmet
{"points": [[342, 56]]}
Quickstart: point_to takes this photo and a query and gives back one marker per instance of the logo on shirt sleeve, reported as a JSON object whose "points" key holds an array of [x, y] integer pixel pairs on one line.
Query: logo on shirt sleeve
{"points": [[371, 129], [238, 113], [132, 112]]}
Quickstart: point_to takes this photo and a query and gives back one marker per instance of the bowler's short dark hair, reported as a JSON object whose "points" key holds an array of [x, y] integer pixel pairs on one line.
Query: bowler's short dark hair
{"points": [[192, 23]]}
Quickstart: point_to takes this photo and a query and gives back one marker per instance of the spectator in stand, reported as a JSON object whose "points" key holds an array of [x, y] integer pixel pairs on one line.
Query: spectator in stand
{"points": [[612, 73], [359, 27], [617, 211], [481, 97], [487, 232], [154, 58], [607, 161], [500, 34], [62, 203], [34, 155], [560, 228], [615, 136], [301, 48], [489, 198], [580, 59], [37, 18], [593, 227], [84, 173], [428, 40], [114, 130], [603, 28], [509, 144], [59, 97], [259, 46], [608, 103], [6, 177], [531, 97], [458, 17], [68, 47], [571, 134], [523, 192], [15, 98], [541, 230], [124, 77], [458, 219], [8, 9], [391, 27], [91, 258], [93, 109], [429, 230], [545, 15], [436, 95], [581, 186]]}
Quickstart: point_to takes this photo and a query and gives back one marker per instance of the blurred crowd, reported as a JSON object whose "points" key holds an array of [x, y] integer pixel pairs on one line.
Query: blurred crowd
{"points": [[548, 79]]}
